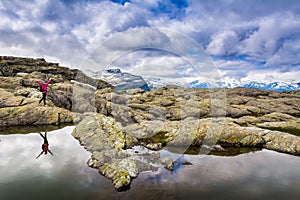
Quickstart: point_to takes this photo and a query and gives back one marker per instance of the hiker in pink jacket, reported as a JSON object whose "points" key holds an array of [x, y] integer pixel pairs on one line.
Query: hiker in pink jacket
{"points": [[45, 146], [43, 90]]}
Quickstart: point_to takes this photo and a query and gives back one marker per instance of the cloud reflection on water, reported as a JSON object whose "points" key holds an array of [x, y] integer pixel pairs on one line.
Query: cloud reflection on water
{"points": [[18, 156], [262, 174]]}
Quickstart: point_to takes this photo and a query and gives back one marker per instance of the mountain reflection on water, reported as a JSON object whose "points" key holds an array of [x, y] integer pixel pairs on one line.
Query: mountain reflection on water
{"points": [[254, 175]]}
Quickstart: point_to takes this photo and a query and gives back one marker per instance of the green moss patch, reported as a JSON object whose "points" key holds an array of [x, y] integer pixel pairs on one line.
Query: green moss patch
{"points": [[160, 137]]}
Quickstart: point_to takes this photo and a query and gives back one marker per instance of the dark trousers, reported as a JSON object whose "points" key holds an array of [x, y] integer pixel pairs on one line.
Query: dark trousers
{"points": [[43, 98], [45, 138]]}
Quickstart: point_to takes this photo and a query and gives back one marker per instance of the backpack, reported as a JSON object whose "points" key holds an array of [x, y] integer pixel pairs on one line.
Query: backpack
{"points": [[41, 89]]}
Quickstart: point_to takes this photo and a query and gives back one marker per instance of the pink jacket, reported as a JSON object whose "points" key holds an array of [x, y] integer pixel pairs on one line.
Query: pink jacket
{"points": [[44, 86]]}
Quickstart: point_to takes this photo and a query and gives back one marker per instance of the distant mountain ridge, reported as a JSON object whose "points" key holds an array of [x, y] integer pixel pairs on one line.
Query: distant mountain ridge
{"points": [[277, 86], [155, 82], [124, 81]]}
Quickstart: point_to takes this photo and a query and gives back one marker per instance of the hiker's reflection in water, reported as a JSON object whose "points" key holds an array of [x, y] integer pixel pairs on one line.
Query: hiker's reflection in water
{"points": [[45, 146]]}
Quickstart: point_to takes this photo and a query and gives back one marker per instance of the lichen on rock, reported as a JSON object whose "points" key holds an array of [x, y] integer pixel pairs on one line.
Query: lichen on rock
{"points": [[104, 137]]}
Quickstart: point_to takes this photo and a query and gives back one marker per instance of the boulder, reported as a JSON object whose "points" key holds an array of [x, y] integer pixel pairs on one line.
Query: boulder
{"points": [[104, 137], [61, 94], [32, 114]]}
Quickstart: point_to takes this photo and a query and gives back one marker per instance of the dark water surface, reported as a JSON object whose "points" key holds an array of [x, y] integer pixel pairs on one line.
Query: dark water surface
{"points": [[254, 175]]}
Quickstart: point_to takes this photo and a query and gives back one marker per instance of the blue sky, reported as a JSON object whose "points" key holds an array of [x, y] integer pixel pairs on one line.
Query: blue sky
{"points": [[247, 39]]}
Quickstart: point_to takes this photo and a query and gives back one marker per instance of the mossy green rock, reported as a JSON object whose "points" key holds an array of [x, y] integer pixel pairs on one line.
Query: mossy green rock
{"points": [[105, 139]]}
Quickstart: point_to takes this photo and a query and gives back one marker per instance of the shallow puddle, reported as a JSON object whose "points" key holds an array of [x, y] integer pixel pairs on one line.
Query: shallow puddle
{"points": [[257, 174]]}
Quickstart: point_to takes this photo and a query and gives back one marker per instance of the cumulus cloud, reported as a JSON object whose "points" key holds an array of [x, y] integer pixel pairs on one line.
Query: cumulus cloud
{"points": [[273, 31], [146, 37], [224, 43], [153, 51], [266, 33], [156, 63], [272, 75], [287, 54], [66, 31]]}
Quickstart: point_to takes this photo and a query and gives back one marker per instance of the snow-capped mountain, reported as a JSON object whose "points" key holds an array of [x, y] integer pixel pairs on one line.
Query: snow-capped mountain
{"points": [[278, 86], [219, 84], [120, 80], [156, 82], [123, 81]]}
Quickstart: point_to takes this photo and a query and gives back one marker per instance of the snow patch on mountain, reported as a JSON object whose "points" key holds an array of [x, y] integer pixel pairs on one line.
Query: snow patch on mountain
{"points": [[120, 80]]}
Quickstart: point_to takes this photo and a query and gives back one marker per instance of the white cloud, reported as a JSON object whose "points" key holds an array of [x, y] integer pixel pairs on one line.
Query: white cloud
{"points": [[288, 54], [233, 64], [266, 31], [272, 76], [146, 37], [56, 29], [238, 71], [155, 63], [272, 32], [190, 59], [223, 43]]}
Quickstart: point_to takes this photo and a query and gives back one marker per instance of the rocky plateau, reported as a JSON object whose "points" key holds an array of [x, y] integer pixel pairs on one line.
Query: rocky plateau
{"points": [[126, 129]]}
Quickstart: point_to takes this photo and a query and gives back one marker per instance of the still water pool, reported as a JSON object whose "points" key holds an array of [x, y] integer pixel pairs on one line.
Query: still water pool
{"points": [[255, 175]]}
